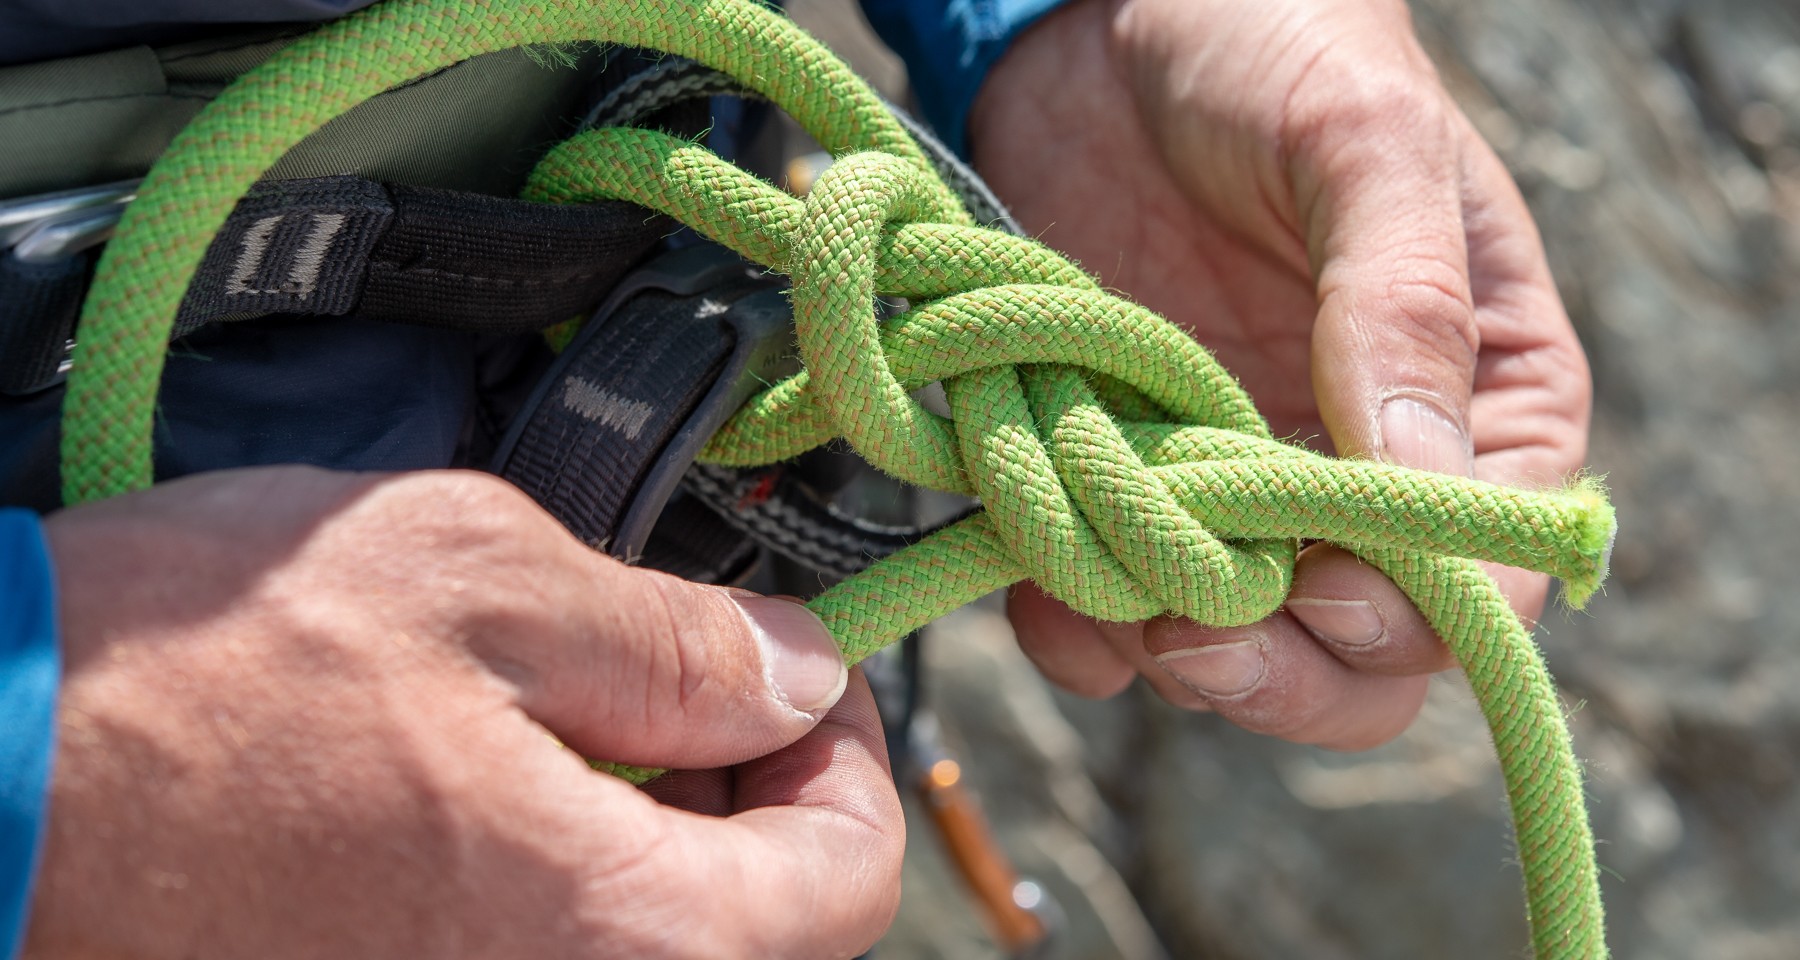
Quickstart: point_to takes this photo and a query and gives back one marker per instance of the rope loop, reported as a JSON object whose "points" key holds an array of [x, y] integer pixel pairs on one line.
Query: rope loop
{"points": [[1121, 467], [834, 273], [1077, 509], [1067, 495]]}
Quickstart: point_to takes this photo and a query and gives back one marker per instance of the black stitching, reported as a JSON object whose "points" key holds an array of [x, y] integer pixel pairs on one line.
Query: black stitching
{"points": [[117, 96], [289, 35]]}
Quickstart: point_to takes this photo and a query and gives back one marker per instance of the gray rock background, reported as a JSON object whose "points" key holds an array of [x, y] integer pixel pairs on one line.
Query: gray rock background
{"points": [[1658, 142]]}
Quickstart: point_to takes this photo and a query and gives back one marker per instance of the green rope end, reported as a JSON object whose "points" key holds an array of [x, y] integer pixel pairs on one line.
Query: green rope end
{"points": [[1597, 527], [555, 56]]}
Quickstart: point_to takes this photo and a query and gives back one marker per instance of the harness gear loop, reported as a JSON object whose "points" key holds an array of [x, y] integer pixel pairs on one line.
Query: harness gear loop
{"points": [[1119, 465]]}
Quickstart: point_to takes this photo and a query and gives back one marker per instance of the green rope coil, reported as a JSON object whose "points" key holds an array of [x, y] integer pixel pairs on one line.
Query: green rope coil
{"points": [[1119, 465]]}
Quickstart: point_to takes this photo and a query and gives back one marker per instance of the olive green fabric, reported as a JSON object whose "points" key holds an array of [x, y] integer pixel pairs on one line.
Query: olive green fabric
{"points": [[83, 121], [477, 126], [1119, 465]]}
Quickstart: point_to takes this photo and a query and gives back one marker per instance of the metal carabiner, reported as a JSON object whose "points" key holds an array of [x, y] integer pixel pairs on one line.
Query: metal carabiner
{"points": [[68, 233], [22, 215], [48, 229]]}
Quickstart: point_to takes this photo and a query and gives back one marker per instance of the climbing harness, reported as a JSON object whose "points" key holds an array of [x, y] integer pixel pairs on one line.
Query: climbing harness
{"points": [[1118, 465]]}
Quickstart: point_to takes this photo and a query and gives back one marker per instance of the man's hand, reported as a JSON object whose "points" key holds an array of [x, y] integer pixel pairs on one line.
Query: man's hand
{"points": [[1288, 180], [308, 714]]}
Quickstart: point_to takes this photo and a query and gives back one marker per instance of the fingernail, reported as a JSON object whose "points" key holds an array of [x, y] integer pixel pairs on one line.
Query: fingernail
{"points": [[1416, 434], [1353, 623], [800, 659], [1217, 670]]}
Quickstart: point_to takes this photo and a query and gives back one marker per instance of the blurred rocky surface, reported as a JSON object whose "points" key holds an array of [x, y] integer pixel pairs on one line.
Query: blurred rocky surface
{"points": [[1658, 143]]}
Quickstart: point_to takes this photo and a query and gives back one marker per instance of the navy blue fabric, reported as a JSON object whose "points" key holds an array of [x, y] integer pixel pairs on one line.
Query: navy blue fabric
{"points": [[30, 667], [33, 30], [949, 46], [338, 392]]}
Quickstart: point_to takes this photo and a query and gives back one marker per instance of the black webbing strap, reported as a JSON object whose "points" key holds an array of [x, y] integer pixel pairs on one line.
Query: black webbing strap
{"points": [[781, 508], [336, 246], [333, 246], [605, 438], [38, 304], [606, 443]]}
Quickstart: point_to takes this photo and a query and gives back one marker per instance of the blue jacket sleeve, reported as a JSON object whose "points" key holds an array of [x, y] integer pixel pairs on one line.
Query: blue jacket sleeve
{"points": [[949, 46], [29, 672]]}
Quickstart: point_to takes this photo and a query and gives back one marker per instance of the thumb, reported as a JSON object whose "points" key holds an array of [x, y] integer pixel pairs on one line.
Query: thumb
{"points": [[1395, 343], [652, 670]]}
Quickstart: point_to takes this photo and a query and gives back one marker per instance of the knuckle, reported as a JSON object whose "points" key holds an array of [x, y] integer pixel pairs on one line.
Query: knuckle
{"points": [[1348, 116], [1567, 373], [1433, 291], [1104, 683], [1092, 672], [1436, 320], [1403, 108], [476, 502], [677, 650], [437, 508], [456, 550], [1284, 717]]}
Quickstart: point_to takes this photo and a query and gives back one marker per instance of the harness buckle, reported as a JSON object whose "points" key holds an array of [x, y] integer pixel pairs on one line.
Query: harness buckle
{"points": [[608, 433]]}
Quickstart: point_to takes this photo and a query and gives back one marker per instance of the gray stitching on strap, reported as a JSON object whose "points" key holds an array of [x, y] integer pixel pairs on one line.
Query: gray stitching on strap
{"points": [[251, 250], [310, 258]]}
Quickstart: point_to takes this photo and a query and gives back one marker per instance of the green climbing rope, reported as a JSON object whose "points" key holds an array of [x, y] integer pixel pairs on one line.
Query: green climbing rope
{"points": [[1120, 467]]}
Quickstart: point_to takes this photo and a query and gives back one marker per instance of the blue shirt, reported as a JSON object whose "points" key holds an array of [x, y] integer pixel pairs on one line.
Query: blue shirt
{"points": [[949, 46], [29, 667]]}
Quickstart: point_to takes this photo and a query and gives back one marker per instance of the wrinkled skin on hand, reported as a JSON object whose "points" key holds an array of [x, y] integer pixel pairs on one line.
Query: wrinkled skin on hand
{"points": [[308, 714], [1289, 181]]}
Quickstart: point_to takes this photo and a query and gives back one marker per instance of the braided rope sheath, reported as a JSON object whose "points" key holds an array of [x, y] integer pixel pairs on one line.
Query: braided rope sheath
{"points": [[1120, 466]]}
